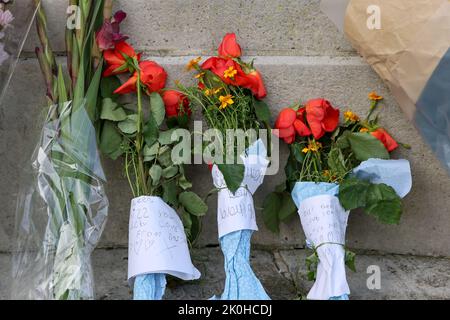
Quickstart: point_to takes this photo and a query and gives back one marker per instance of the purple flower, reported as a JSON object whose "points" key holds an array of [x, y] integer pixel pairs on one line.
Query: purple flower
{"points": [[6, 18], [109, 34]]}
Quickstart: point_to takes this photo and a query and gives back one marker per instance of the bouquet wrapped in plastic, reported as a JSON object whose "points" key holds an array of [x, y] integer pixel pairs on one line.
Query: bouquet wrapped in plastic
{"points": [[164, 215], [334, 168], [230, 93], [62, 209]]}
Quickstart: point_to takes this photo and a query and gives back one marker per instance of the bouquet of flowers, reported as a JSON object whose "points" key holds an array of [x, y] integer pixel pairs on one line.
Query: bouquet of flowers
{"points": [[62, 210], [334, 168], [230, 93], [145, 134]]}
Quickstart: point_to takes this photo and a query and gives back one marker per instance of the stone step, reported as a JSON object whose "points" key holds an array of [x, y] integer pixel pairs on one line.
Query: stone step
{"points": [[195, 27], [343, 80], [282, 274]]}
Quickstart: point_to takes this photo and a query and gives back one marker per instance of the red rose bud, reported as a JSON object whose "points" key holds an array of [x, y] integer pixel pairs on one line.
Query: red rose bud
{"points": [[153, 77], [285, 125], [176, 103], [321, 117], [256, 84], [229, 48], [115, 58], [385, 138]]}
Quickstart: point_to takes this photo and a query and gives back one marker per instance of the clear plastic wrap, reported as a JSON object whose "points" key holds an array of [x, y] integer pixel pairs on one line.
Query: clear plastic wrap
{"points": [[61, 210], [16, 18]]}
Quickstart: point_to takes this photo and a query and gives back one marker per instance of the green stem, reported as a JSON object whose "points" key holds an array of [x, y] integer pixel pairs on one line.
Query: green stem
{"points": [[139, 136]]}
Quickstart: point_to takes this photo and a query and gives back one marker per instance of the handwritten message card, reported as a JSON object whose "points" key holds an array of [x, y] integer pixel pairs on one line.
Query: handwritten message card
{"points": [[323, 219], [236, 211], [157, 242]]}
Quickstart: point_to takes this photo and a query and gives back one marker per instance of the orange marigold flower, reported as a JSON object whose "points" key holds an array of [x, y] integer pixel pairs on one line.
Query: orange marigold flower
{"points": [[193, 64], [226, 101], [230, 72], [364, 130], [374, 96], [350, 116]]}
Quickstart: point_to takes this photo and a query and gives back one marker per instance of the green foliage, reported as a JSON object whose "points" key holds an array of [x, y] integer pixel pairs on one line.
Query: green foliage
{"points": [[233, 175], [378, 200], [278, 207], [366, 146], [193, 203]]}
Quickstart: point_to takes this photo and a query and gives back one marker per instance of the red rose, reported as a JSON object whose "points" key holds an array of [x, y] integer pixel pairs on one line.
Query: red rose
{"points": [[229, 48], [289, 123], [256, 84], [153, 77], [224, 68], [115, 58], [321, 117], [176, 103], [385, 138]]}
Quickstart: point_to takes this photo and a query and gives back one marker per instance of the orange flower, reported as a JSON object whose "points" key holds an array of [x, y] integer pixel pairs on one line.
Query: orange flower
{"points": [[176, 103], [153, 77], [322, 117], [116, 59], [374, 96], [289, 123], [385, 138], [193, 64], [229, 48]]}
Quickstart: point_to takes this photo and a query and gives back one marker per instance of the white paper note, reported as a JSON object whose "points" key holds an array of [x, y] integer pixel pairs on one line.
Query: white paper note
{"points": [[324, 221], [236, 211], [157, 242]]}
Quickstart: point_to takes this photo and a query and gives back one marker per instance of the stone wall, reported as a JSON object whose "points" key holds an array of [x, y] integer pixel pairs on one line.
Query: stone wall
{"points": [[301, 55]]}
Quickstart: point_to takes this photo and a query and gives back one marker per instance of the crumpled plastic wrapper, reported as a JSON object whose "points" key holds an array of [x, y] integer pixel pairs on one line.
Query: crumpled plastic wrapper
{"points": [[61, 210]]}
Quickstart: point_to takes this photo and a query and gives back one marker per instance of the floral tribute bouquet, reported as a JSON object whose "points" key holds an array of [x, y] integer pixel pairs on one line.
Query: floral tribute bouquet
{"points": [[334, 168], [144, 135], [229, 93], [63, 208]]}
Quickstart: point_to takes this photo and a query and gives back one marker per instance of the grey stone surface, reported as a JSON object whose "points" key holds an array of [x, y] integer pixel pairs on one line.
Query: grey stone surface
{"points": [[344, 81], [282, 274], [184, 27]]}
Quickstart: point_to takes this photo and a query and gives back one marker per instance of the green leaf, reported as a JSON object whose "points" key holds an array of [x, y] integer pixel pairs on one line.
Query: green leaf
{"points": [[312, 262], [272, 204], [193, 203], [262, 110], [108, 85], [384, 203], [296, 152], [129, 126], [151, 131], [170, 193], [155, 173], [112, 111], [288, 207], [165, 156], [342, 142], [233, 175], [366, 146], [184, 183], [157, 108], [336, 162], [151, 152], [352, 193], [110, 140], [170, 172], [350, 260], [165, 137]]}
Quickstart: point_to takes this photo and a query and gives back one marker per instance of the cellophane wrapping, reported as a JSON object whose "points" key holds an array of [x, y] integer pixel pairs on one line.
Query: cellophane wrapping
{"points": [[61, 210]]}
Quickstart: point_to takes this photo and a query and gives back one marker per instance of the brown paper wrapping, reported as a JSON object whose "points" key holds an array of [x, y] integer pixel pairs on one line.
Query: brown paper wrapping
{"points": [[414, 36]]}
